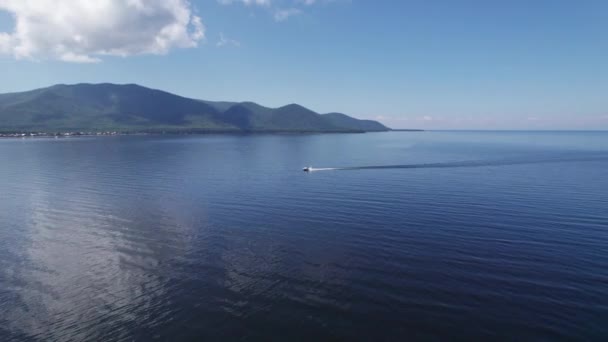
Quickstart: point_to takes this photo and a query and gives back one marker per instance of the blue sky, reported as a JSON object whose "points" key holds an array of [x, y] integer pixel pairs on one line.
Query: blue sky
{"points": [[448, 64]]}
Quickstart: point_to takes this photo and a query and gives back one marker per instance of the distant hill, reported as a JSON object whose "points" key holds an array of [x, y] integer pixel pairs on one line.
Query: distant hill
{"points": [[133, 108], [340, 119]]}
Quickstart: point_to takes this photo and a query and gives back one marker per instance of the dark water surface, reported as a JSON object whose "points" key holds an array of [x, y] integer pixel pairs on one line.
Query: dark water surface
{"points": [[430, 235]]}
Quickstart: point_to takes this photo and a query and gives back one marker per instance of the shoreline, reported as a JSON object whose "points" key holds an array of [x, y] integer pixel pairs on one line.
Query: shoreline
{"points": [[30, 135]]}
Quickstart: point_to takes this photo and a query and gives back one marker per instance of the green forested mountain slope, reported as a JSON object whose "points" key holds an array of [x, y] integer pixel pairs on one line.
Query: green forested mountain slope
{"points": [[102, 107]]}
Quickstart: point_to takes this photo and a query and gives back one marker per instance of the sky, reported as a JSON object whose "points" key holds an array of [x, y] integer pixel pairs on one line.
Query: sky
{"points": [[431, 64]]}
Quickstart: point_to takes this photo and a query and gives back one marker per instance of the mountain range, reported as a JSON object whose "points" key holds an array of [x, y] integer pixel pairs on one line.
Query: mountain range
{"points": [[133, 108]]}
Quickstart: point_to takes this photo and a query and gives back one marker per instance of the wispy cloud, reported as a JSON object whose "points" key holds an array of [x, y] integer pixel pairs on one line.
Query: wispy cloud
{"points": [[85, 31], [281, 10], [313, 2], [284, 14], [224, 41], [246, 2]]}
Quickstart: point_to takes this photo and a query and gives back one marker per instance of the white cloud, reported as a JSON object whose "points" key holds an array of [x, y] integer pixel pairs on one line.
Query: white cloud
{"points": [[224, 41], [83, 31], [284, 14], [5, 42], [281, 10], [246, 2], [312, 2]]}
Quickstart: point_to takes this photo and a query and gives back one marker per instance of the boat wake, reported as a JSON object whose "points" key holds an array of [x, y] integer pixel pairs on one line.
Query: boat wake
{"points": [[312, 169], [476, 163]]}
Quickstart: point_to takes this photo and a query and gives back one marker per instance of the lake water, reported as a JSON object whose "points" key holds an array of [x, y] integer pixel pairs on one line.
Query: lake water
{"points": [[461, 235]]}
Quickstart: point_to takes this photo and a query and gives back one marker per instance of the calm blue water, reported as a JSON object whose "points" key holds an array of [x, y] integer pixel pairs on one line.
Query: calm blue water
{"points": [[500, 235]]}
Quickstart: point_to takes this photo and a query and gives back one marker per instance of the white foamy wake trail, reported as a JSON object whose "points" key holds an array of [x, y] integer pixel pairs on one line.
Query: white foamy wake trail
{"points": [[559, 158]]}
